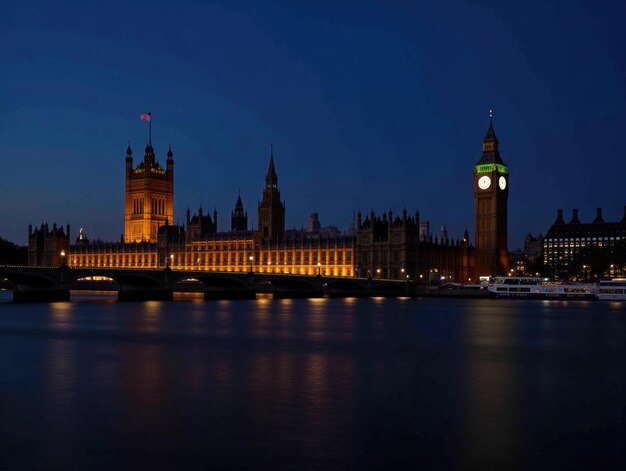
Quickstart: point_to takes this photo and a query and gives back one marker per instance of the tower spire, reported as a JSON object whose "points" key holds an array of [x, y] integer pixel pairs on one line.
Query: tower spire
{"points": [[271, 209], [271, 171], [491, 153], [491, 134]]}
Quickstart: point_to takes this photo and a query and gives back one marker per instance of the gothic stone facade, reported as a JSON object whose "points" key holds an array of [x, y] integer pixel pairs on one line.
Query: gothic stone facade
{"points": [[48, 247], [385, 246], [389, 247], [491, 194], [149, 196], [199, 246]]}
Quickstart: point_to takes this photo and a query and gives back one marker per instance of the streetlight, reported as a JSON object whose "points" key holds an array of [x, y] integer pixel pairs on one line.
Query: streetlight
{"points": [[319, 269], [250, 258], [172, 259], [62, 257], [378, 272]]}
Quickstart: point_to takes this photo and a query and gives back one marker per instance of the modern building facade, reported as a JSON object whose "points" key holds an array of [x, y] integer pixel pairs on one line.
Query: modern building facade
{"points": [[565, 239]]}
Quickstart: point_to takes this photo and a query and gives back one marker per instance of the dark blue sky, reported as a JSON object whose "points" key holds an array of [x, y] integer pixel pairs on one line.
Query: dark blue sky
{"points": [[370, 105]]}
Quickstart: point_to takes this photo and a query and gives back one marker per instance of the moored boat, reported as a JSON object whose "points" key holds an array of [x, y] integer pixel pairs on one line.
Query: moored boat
{"points": [[614, 289], [539, 288]]}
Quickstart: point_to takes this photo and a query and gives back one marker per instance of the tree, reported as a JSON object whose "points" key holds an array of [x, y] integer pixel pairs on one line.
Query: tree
{"points": [[12, 254]]}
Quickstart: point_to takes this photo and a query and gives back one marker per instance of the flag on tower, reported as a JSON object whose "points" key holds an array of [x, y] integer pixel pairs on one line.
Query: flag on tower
{"points": [[146, 116]]}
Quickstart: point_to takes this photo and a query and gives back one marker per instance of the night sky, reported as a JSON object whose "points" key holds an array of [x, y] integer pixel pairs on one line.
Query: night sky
{"points": [[370, 105]]}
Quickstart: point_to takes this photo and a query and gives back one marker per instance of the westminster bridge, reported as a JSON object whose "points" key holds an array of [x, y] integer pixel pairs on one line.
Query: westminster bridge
{"points": [[45, 284]]}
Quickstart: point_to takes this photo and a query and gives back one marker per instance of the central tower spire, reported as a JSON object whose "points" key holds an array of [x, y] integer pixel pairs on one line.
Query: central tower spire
{"points": [[271, 179], [271, 209]]}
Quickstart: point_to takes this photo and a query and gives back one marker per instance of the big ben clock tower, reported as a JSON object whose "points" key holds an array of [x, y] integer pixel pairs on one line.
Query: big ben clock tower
{"points": [[491, 194]]}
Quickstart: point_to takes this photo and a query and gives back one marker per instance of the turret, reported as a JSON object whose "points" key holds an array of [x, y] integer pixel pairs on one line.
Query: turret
{"points": [[129, 160], [170, 161], [149, 158], [238, 218]]}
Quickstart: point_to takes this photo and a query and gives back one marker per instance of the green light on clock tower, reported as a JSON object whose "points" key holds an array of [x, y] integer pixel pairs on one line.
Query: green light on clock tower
{"points": [[491, 193]]}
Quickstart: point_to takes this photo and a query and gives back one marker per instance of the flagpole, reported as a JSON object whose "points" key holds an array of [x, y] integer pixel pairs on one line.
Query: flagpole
{"points": [[150, 129]]}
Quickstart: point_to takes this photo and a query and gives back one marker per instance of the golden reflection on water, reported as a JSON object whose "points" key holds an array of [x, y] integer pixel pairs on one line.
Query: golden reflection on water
{"points": [[317, 300], [151, 317], [316, 366], [189, 296], [61, 377], [491, 425], [61, 315], [142, 376]]}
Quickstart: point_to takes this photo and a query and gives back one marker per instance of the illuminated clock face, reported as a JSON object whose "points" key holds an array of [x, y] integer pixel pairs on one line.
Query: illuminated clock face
{"points": [[502, 183], [484, 182]]}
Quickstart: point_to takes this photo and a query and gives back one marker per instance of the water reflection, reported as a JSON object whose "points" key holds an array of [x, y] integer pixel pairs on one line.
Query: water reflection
{"points": [[61, 315], [332, 384], [491, 428], [151, 317]]}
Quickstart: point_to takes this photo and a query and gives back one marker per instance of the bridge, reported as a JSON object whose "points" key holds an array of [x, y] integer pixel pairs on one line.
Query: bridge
{"points": [[47, 284]]}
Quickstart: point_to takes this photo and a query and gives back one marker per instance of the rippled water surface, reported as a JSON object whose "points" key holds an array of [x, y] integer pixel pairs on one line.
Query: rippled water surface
{"points": [[313, 384]]}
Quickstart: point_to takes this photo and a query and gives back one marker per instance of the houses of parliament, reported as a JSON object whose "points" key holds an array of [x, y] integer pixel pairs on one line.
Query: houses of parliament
{"points": [[383, 246]]}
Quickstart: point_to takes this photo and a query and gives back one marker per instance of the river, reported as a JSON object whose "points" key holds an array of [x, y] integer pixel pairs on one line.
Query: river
{"points": [[431, 383]]}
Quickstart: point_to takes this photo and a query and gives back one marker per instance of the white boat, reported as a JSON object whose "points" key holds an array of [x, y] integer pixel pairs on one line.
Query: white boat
{"points": [[614, 289], [540, 288]]}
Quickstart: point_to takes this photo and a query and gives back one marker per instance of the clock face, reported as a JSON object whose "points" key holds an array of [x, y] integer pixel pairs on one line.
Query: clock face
{"points": [[484, 182], [502, 183]]}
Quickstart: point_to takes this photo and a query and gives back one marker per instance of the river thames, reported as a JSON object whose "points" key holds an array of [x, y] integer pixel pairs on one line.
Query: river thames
{"points": [[312, 384]]}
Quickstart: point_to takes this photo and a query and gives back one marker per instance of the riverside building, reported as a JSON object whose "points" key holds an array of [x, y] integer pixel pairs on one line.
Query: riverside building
{"points": [[564, 239], [151, 241], [386, 246]]}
